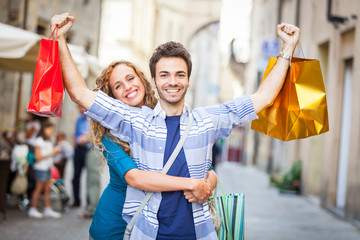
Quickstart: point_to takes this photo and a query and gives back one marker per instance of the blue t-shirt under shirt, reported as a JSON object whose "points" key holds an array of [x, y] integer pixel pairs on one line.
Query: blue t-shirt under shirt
{"points": [[175, 215]]}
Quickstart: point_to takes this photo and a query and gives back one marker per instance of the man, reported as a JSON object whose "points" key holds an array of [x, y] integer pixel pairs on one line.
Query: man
{"points": [[85, 156], [81, 148], [152, 134]]}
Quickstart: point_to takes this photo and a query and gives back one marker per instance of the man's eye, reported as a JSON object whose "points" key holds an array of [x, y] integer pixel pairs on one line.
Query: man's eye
{"points": [[162, 75]]}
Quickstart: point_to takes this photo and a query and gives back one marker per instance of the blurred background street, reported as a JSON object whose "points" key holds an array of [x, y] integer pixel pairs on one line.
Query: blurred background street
{"points": [[300, 189]]}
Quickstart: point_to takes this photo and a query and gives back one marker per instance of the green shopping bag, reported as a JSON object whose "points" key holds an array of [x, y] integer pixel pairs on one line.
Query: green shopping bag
{"points": [[231, 210]]}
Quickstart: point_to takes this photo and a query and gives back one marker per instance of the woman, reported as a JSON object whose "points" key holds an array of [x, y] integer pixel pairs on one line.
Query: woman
{"points": [[44, 160], [124, 81]]}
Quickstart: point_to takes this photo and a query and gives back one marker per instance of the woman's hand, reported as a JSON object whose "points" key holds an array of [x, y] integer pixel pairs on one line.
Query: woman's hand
{"points": [[64, 22]]}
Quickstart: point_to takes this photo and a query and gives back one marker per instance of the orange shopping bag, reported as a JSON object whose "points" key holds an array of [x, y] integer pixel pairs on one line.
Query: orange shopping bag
{"points": [[300, 109], [48, 90]]}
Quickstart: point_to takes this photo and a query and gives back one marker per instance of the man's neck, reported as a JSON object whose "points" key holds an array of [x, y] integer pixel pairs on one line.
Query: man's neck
{"points": [[172, 109]]}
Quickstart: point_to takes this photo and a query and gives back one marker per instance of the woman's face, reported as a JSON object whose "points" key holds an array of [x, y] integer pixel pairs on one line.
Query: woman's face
{"points": [[127, 86]]}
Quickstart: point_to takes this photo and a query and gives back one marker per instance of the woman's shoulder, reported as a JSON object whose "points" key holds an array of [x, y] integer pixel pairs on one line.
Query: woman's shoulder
{"points": [[110, 144]]}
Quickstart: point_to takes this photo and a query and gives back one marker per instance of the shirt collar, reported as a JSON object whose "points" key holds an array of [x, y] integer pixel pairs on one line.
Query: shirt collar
{"points": [[158, 111]]}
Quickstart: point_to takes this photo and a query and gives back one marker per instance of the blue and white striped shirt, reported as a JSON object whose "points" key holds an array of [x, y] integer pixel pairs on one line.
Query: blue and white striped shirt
{"points": [[145, 131]]}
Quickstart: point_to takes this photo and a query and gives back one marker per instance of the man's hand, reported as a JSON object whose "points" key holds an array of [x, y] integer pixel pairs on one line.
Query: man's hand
{"points": [[290, 35], [64, 22], [200, 192]]}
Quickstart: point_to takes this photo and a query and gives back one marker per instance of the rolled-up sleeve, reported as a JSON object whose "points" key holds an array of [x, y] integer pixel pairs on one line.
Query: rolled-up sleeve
{"points": [[112, 114], [231, 114]]}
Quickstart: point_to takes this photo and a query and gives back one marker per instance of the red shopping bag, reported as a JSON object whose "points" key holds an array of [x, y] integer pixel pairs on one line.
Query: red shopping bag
{"points": [[48, 90]]}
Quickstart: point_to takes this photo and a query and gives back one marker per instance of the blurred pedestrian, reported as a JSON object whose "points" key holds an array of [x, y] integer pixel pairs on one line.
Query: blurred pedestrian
{"points": [[67, 152], [32, 129], [44, 158], [92, 182], [82, 145]]}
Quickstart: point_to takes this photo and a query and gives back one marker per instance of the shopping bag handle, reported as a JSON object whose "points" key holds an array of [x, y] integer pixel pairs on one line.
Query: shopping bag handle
{"points": [[301, 49], [215, 195], [56, 28]]}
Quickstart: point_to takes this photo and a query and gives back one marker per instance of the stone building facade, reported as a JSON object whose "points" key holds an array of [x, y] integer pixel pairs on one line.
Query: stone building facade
{"points": [[35, 16]]}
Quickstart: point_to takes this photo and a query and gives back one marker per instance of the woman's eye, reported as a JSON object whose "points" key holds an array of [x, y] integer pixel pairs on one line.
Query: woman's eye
{"points": [[117, 86], [130, 79]]}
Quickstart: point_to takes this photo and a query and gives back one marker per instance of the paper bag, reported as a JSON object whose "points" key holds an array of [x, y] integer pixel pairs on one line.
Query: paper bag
{"points": [[231, 210], [48, 90], [300, 109]]}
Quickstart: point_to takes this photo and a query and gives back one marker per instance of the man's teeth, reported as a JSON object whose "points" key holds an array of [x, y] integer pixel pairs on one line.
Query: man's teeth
{"points": [[172, 90], [131, 94]]}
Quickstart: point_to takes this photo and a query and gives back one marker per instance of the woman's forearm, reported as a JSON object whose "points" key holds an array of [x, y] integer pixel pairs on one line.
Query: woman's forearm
{"points": [[73, 80], [74, 83], [159, 182]]}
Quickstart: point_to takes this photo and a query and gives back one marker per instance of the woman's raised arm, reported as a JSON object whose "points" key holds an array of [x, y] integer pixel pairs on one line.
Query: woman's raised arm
{"points": [[74, 83]]}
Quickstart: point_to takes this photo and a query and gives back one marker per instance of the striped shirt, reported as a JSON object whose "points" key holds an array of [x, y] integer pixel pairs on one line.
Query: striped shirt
{"points": [[145, 131]]}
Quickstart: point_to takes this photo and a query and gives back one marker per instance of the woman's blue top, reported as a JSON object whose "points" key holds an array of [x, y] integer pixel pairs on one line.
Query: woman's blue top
{"points": [[107, 222]]}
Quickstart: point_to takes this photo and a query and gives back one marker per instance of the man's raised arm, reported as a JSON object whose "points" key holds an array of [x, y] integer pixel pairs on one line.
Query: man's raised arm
{"points": [[74, 83], [272, 84]]}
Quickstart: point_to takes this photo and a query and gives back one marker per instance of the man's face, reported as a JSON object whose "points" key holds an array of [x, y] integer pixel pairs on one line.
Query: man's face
{"points": [[171, 80]]}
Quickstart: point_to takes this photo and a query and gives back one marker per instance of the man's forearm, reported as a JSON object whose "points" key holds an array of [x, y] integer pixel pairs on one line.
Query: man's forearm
{"points": [[270, 87]]}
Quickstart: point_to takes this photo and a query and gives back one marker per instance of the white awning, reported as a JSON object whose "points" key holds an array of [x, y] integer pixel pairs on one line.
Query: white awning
{"points": [[19, 49]]}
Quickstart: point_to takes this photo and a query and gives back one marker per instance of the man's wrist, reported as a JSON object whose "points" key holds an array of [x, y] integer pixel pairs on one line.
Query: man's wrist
{"points": [[288, 49], [285, 56]]}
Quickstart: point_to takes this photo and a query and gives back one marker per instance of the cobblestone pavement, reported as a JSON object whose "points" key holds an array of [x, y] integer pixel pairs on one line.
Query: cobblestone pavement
{"points": [[273, 216], [18, 226], [268, 214]]}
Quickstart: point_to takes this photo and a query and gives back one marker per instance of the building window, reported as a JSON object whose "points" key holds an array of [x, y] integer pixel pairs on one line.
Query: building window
{"points": [[40, 30], [42, 27], [88, 46]]}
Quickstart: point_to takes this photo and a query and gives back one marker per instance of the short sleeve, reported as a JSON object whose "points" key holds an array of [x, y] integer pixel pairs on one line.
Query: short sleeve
{"points": [[38, 142], [119, 161]]}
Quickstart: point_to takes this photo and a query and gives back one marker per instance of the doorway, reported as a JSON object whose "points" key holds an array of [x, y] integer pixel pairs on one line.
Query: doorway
{"points": [[344, 137]]}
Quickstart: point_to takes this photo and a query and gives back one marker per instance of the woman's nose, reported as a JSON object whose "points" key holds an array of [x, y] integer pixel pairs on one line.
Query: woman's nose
{"points": [[127, 86]]}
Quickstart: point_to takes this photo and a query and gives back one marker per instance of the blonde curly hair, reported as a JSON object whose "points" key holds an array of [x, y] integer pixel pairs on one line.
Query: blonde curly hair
{"points": [[96, 130]]}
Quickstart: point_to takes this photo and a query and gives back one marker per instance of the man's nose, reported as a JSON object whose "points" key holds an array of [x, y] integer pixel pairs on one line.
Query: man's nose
{"points": [[172, 80]]}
